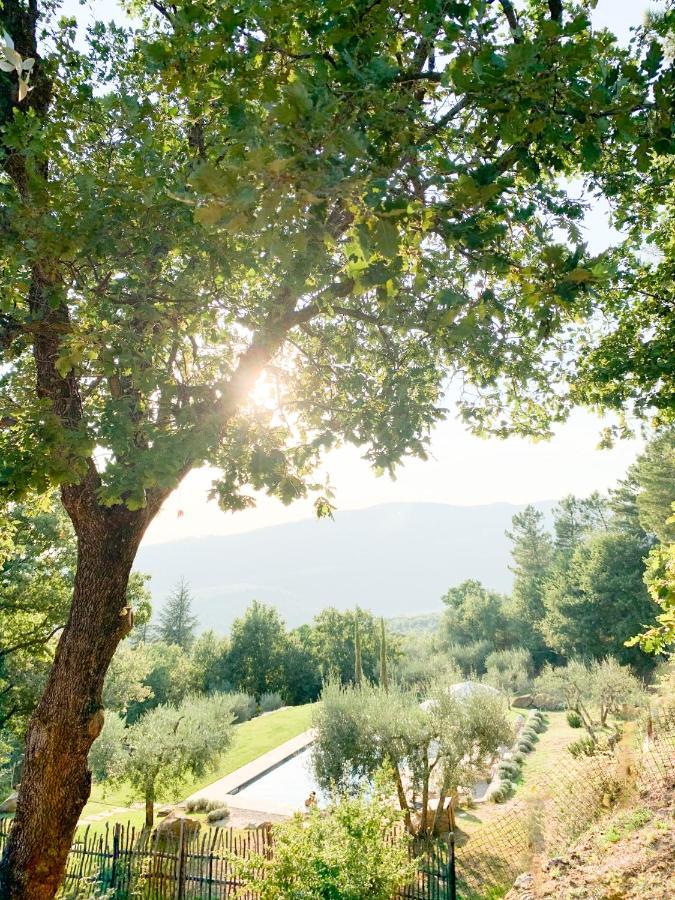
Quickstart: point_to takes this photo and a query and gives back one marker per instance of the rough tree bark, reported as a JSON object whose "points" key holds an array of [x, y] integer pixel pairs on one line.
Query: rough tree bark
{"points": [[56, 780], [150, 803]]}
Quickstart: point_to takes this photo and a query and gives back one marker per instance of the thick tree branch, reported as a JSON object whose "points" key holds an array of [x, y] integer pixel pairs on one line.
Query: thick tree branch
{"points": [[34, 640], [49, 320], [510, 14], [556, 10]]}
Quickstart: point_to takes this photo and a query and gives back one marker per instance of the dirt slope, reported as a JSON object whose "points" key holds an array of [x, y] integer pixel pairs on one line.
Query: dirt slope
{"points": [[629, 854]]}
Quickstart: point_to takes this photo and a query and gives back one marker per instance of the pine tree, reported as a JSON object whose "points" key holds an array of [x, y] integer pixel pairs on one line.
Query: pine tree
{"points": [[176, 623], [655, 470], [575, 518], [533, 558]]}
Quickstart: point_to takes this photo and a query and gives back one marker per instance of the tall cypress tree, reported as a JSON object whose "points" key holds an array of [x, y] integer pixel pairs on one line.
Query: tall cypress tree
{"points": [[358, 664], [384, 674]]}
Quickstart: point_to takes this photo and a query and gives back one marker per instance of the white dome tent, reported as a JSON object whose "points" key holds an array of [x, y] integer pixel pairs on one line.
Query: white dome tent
{"points": [[463, 690]]}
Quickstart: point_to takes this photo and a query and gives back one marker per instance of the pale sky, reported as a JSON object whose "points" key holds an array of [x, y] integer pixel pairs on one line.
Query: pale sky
{"points": [[464, 470]]}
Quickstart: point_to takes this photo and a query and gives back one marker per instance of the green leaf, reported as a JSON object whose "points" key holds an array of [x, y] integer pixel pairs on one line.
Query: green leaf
{"points": [[580, 275], [210, 213], [652, 61], [386, 238]]}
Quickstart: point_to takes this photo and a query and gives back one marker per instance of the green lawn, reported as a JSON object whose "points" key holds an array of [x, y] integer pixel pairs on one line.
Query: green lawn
{"points": [[251, 740], [550, 751]]}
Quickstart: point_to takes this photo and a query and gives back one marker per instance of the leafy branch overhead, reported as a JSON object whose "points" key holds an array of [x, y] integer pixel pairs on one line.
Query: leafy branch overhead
{"points": [[357, 202]]}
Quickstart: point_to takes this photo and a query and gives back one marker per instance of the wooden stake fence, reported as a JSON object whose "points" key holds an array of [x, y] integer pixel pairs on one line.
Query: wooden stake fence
{"points": [[125, 862]]}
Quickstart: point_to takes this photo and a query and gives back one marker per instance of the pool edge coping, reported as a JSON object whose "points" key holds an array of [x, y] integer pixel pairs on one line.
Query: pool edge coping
{"points": [[230, 785]]}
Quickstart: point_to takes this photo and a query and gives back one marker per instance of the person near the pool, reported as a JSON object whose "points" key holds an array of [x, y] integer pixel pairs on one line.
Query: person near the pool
{"points": [[311, 800]]}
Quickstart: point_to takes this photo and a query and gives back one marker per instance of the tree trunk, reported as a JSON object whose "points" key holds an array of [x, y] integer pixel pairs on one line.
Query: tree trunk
{"points": [[150, 803], [424, 825], [586, 719], [439, 806], [402, 800], [56, 780]]}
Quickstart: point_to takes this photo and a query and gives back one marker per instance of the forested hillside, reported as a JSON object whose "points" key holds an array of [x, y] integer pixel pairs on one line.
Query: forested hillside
{"points": [[392, 559]]}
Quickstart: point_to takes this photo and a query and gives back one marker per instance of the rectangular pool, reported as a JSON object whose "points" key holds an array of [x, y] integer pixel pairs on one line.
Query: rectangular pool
{"points": [[290, 783]]}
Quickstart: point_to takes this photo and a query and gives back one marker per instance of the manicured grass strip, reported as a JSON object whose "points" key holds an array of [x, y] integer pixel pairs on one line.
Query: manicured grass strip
{"points": [[257, 737], [550, 752]]}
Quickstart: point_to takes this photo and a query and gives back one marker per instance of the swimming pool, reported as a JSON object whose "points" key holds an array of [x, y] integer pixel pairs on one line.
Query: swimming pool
{"points": [[290, 783]]}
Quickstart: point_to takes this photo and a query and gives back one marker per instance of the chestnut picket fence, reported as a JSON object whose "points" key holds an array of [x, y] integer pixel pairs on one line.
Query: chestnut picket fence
{"points": [[122, 861]]}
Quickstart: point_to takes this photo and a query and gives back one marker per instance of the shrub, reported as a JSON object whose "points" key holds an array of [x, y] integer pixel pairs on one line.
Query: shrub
{"points": [[574, 719], [502, 792], [353, 851], [536, 721], [215, 815], [585, 746], [270, 702], [508, 769], [529, 734], [202, 805], [525, 746], [518, 757], [243, 707]]}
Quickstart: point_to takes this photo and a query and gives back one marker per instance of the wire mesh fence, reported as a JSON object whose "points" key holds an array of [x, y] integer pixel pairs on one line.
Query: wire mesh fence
{"points": [[547, 816]]}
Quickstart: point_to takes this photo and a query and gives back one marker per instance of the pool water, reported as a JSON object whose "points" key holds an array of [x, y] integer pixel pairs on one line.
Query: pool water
{"points": [[289, 783]]}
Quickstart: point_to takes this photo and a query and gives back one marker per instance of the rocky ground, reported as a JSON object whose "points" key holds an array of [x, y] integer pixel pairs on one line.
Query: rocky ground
{"points": [[630, 854]]}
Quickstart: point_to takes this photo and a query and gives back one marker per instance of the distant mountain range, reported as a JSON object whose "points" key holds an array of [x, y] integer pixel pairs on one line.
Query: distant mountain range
{"points": [[395, 559]]}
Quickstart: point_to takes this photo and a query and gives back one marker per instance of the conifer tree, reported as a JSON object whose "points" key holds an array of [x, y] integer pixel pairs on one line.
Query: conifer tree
{"points": [[176, 623]]}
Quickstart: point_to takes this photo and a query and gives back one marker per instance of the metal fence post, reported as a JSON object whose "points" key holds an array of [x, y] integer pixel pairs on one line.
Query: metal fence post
{"points": [[181, 862], [115, 854], [452, 871]]}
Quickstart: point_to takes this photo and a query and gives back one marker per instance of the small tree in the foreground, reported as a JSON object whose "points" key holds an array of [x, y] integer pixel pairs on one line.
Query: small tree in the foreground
{"points": [[165, 746], [432, 751], [353, 851]]}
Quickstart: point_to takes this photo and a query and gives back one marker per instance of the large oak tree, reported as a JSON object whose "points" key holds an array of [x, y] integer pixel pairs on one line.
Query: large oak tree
{"points": [[342, 203]]}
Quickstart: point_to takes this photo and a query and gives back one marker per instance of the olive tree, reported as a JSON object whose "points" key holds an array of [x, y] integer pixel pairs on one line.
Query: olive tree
{"points": [[570, 685], [612, 686], [433, 749], [328, 206], [510, 671], [168, 743]]}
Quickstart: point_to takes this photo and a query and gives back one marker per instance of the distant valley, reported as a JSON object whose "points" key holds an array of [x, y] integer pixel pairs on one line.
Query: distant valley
{"points": [[396, 559]]}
